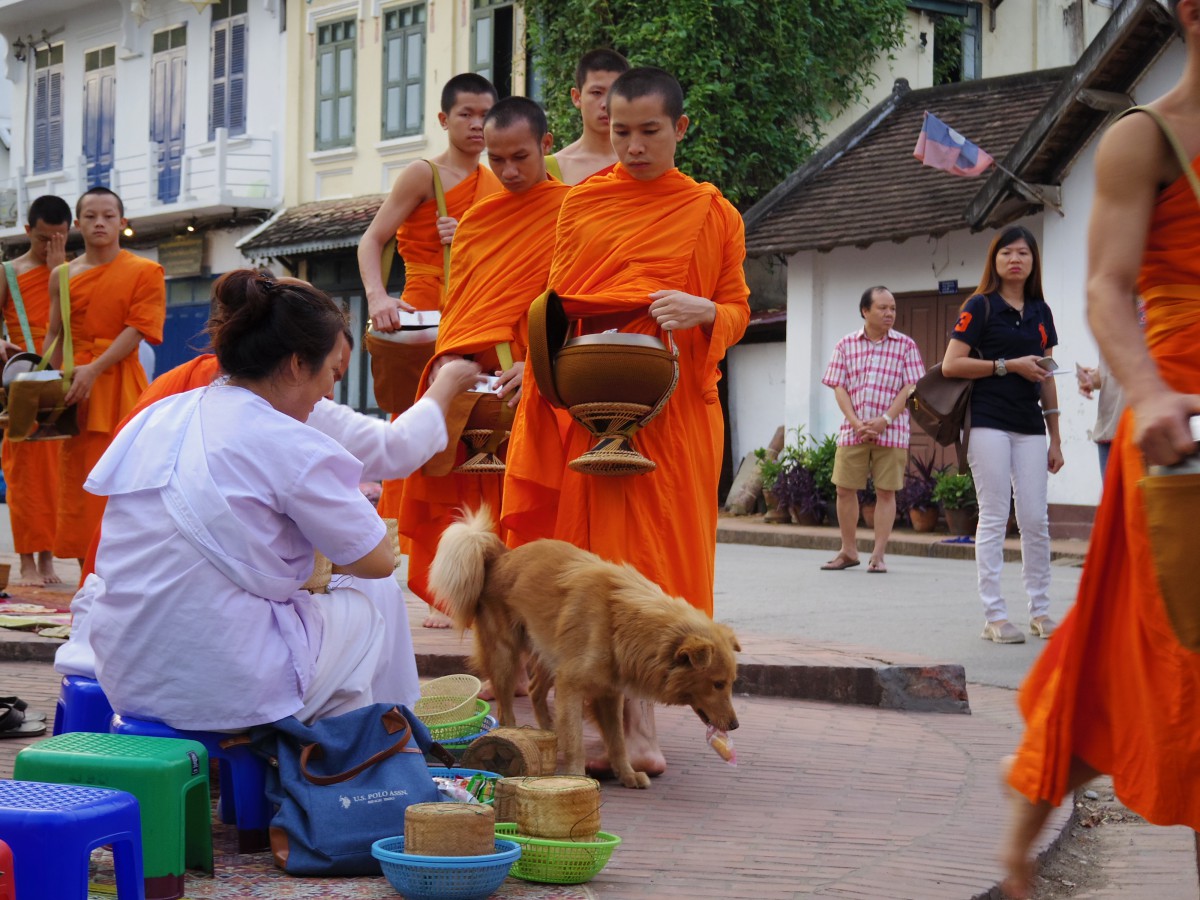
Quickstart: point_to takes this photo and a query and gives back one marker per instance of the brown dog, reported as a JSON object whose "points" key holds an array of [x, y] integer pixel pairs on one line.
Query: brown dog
{"points": [[596, 629]]}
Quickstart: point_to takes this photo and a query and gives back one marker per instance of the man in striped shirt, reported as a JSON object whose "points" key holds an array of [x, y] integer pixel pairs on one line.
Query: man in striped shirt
{"points": [[872, 372]]}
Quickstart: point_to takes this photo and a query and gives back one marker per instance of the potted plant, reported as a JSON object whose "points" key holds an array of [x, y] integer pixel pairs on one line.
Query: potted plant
{"points": [[819, 460], [956, 494], [769, 468], [866, 503], [915, 500], [796, 486]]}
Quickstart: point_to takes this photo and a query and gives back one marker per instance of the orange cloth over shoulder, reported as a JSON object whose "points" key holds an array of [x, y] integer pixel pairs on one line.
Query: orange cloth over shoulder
{"points": [[197, 373], [501, 261], [420, 246], [31, 467], [1115, 688], [127, 292], [620, 240]]}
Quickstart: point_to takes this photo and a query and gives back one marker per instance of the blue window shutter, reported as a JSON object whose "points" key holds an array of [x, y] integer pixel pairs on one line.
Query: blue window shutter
{"points": [[56, 120], [41, 122], [218, 112], [91, 120], [237, 78]]}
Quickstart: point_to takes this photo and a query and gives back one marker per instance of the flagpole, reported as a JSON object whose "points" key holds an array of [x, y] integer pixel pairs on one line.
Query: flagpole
{"points": [[1046, 201]]}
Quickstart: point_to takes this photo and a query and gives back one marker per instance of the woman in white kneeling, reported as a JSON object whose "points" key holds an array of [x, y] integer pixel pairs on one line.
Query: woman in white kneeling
{"points": [[216, 501]]}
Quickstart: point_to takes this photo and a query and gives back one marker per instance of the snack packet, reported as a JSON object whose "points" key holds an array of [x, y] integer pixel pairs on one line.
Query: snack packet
{"points": [[722, 743]]}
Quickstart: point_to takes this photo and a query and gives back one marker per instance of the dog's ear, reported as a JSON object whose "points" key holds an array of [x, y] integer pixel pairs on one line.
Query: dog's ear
{"points": [[733, 641], [694, 651]]}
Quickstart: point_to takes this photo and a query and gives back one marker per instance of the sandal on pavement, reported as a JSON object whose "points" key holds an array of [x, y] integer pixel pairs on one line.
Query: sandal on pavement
{"points": [[18, 703], [876, 568], [1002, 633], [13, 724], [839, 562], [1042, 626]]}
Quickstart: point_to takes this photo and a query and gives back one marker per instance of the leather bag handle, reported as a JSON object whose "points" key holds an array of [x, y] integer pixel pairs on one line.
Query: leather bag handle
{"points": [[393, 721]]}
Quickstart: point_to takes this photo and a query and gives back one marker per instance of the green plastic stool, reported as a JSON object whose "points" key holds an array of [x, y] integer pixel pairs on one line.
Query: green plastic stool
{"points": [[169, 777]]}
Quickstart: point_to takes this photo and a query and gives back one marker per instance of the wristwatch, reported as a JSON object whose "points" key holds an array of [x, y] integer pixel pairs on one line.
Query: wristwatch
{"points": [[1001, 369], [888, 419]]}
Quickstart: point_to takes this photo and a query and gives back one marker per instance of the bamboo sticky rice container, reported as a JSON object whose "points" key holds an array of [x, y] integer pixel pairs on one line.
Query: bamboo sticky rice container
{"points": [[564, 807], [506, 751], [449, 829], [318, 582], [547, 745], [504, 801]]}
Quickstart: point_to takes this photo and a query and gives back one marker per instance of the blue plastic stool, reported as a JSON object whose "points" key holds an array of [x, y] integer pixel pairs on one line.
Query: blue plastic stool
{"points": [[243, 777], [81, 706], [53, 829]]}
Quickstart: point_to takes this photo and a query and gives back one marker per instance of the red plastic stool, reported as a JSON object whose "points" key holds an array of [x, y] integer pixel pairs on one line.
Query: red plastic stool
{"points": [[8, 890]]}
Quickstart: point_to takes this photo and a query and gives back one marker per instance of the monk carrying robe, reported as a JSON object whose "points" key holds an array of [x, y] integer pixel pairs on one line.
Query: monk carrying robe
{"points": [[105, 299], [31, 467], [500, 262], [420, 246]]}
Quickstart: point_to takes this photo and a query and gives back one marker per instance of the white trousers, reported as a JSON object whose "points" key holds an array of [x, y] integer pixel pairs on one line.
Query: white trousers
{"points": [[351, 646], [1004, 461]]}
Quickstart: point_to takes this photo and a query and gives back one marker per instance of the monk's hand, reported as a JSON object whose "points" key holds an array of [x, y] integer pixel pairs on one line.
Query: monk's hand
{"points": [[446, 226], [384, 311], [81, 384], [452, 378], [675, 310], [1027, 368], [510, 383], [1161, 429], [7, 349], [56, 251]]}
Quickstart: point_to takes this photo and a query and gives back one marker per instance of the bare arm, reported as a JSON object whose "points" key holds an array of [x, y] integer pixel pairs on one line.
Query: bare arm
{"points": [[379, 563], [846, 405], [958, 363], [412, 188], [1054, 457], [54, 325], [1128, 176], [85, 376]]}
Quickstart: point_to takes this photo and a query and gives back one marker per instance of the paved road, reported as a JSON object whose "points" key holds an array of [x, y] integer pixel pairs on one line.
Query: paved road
{"points": [[923, 606]]}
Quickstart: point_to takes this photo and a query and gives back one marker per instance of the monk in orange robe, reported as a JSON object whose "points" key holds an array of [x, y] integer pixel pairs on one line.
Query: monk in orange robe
{"points": [[647, 250], [31, 467], [1115, 690], [117, 300], [501, 260], [410, 214], [592, 153]]}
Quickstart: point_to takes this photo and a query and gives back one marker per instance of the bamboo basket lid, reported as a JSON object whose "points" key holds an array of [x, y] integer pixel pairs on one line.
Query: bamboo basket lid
{"points": [[559, 807], [449, 829], [506, 751]]}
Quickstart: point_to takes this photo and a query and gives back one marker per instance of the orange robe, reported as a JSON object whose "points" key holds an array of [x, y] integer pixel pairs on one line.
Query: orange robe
{"points": [[620, 240], [129, 291], [1115, 688], [501, 260], [420, 246], [31, 467]]}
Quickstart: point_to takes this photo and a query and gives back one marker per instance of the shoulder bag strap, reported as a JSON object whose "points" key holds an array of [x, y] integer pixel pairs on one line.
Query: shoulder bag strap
{"points": [[314, 751], [64, 305], [1173, 140], [553, 167], [961, 446], [439, 195], [14, 291], [386, 260]]}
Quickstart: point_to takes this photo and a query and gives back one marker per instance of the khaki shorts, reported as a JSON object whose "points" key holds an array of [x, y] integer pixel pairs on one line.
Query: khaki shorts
{"points": [[885, 465]]}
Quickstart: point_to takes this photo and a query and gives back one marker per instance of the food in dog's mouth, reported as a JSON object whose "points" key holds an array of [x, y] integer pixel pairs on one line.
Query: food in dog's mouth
{"points": [[722, 743]]}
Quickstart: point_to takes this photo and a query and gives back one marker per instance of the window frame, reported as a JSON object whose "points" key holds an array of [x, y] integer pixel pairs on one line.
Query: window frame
{"points": [[404, 82], [332, 49], [46, 136], [228, 25]]}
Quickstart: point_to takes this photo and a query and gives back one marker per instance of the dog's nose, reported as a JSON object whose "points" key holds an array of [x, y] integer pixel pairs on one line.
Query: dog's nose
{"points": [[732, 726]]}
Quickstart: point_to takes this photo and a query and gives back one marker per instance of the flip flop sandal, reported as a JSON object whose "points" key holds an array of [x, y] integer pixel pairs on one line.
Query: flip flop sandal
{"points": [[19, 704], [839, 562], [876, 568], [13, 724]]}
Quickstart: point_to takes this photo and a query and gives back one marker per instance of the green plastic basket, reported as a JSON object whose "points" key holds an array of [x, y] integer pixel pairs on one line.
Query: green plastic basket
{"points": [[449, 731], [559, 862]]}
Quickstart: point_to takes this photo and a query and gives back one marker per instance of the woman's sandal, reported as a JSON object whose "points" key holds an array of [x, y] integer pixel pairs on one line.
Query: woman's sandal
{"points": [[18, 703], [13, 722]]}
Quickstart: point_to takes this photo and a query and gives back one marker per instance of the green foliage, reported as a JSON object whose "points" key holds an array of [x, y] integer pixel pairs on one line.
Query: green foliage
{"points": [[948, 49], [769, 468], [760, 77], [955, 491], [819, 461]]}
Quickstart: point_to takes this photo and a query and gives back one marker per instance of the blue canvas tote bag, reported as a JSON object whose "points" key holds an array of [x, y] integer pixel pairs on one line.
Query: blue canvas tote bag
{"points": [[342, 783]]}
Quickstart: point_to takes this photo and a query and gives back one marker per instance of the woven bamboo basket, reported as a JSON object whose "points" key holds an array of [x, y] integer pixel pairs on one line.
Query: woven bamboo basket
{"points": [[393, 532], [559, 806], [447, 699], [509, 751], [504, 801], [449, 829], [547, 744], [318, 582]]}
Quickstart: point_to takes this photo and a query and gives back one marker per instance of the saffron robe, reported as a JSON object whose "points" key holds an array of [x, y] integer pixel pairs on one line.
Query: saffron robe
{"points": [[127, 292], [31, 467], [1114, 687], [421, 248], [619, 240], [500, 263]]}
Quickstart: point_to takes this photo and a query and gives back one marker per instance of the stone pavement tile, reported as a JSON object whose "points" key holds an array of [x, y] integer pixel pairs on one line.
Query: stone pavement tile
{"points": [[1145, 861], [827, 800]]}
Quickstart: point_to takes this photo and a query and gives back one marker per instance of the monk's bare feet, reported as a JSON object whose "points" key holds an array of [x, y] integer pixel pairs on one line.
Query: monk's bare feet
{"points": [[45, 567], [30, 576], [641, 742], [521, 689], [436, 619], [1024, 823]]}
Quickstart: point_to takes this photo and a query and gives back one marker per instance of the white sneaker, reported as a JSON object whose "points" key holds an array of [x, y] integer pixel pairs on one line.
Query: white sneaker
{"points": [[1042, 626], [1002, 633]]}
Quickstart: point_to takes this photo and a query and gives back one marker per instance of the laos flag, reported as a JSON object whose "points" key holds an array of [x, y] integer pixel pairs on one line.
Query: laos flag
{"points": [[944, 148]]}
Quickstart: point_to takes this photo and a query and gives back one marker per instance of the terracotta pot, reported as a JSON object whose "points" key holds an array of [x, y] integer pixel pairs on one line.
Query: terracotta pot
{"points": [[868, 515], [962, 521], [774, 513], [799, 518], [923, 519]]}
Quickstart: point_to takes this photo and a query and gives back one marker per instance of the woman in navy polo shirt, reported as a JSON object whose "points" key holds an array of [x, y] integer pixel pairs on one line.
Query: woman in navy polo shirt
{"points": [[1009, 327]]}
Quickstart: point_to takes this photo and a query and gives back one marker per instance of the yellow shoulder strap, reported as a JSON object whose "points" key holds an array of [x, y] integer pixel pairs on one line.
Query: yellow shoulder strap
{"points": [[439, 196], [64, 306], [554, 168]]}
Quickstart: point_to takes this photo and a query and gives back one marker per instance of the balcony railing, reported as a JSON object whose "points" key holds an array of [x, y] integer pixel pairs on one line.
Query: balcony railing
{"points": [[225, 172]]}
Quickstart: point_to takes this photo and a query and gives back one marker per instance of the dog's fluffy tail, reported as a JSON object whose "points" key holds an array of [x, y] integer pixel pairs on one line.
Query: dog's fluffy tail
{"points": [[459, 569]]}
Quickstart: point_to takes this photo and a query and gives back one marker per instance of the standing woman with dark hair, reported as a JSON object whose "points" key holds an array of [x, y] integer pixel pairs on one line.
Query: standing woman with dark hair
{"points": [[1008, 327], [216, 500]]}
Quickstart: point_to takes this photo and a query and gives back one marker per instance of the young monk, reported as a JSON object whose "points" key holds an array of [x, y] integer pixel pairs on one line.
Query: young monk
{"points": [[593, 152], [500, 262], [117, 300], [410, 215], [1115, 690], [688, 242], [31, 467]]}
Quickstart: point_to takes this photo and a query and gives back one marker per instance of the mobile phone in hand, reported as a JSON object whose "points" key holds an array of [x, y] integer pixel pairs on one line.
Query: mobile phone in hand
{"points": [[1048, 363]]}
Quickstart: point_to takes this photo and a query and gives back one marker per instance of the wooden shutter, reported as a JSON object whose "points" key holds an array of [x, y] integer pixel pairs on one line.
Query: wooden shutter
{"points": [[218, 107], [237, 78]]}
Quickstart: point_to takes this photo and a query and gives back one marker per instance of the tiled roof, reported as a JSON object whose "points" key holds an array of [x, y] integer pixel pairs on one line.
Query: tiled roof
{"points": [[312, 227], [866, 186]]}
